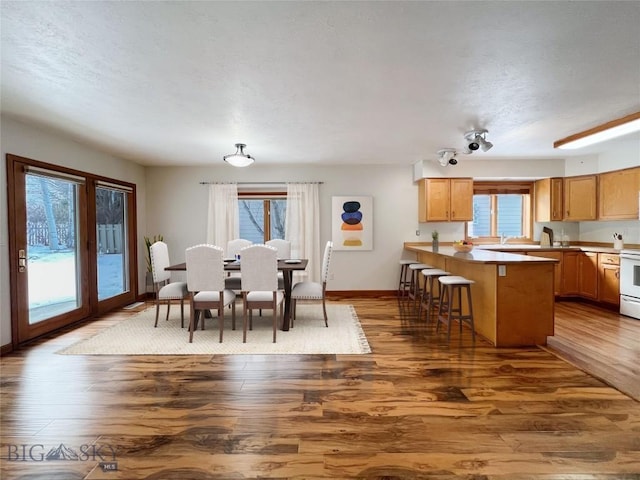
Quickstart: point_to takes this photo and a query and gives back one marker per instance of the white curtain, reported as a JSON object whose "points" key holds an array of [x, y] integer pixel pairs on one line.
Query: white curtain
{"points": [[223, 218], [302, 227]]}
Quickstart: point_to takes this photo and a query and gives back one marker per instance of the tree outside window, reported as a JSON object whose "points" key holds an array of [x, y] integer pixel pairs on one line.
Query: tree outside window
{"points": [[262, 219]]}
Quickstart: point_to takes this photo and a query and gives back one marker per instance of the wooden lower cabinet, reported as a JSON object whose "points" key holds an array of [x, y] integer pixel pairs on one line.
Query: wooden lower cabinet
{"points": [[588, 275], [580, 274], [609, 278], [591, 275], [557, 272], [511, 309], [570, 284]]}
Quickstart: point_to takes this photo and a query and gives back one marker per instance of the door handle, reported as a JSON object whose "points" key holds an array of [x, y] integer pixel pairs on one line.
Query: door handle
{"points": [[22, 260]]}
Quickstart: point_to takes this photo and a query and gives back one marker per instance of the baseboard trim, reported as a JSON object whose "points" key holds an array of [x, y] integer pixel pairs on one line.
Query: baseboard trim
{"points": [[339, 294], [6, 349]]}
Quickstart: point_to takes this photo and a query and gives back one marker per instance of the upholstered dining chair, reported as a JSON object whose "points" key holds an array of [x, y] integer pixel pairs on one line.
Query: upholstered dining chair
{"points": [[259, 275], [308, 290], [284, 252], [164, 288], [283, 247], [205, 283], [232, 282]]}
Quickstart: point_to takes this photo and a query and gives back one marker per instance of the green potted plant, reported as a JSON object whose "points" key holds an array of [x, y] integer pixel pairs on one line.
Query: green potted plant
{"points": [[434, 240], [148, 241]]}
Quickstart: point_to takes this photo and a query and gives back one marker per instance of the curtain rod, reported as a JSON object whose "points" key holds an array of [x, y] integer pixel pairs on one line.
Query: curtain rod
{"points": [[256, 183]]}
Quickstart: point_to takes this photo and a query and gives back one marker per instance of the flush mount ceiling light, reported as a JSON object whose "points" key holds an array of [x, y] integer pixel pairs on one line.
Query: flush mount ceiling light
{"points": [[239, 159], [607, 131], [447, 157], [476, 139]]}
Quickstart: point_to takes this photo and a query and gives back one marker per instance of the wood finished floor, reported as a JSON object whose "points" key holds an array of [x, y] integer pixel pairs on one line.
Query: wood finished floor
{"points": [[416, 408]]}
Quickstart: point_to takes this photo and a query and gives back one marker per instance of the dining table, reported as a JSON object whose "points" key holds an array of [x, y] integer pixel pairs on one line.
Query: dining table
{"points": [[286, 266]]}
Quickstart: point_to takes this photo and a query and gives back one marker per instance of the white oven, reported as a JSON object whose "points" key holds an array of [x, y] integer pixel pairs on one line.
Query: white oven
{"points": [[630, 283]]}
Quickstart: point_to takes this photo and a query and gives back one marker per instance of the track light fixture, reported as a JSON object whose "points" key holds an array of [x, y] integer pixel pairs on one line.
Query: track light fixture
{"points": [[239, 159], [447, 157], [476, 139]]}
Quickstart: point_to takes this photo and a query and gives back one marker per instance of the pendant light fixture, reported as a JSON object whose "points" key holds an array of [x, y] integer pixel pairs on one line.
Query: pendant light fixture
{"points": [[239, 159]]}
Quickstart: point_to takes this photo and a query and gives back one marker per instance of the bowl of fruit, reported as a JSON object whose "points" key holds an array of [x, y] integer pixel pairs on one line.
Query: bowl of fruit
{"points": [[462, 246]]}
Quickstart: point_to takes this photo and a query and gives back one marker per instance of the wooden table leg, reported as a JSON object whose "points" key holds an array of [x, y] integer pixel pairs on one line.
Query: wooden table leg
{"points": [[288, 278]]}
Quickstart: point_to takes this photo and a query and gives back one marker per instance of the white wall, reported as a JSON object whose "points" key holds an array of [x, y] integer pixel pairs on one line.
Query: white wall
{"points": [[177, 208], [46, 146], [480, 169]]}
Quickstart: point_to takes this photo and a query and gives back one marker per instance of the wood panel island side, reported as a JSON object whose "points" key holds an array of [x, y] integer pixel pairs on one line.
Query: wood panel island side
{"points": [[513, 295]]}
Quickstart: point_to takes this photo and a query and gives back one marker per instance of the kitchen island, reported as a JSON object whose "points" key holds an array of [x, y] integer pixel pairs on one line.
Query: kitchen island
{"points": [[513, 295]]}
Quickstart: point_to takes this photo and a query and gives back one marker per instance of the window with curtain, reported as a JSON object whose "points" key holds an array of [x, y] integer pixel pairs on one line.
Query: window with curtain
{"points": [[268, 214], [501, 209]]}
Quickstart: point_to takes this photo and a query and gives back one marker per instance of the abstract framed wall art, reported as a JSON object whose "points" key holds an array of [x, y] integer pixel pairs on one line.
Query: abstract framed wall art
{"points": [[352, 222]]}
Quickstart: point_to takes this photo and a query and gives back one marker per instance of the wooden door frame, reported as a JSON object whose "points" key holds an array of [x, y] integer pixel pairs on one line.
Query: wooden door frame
{"points": [[86, 211]]}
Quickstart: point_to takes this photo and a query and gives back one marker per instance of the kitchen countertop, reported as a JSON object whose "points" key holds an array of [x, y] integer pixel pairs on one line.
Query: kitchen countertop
{"points": [[538, 248], [531, 247], [479, 255]]}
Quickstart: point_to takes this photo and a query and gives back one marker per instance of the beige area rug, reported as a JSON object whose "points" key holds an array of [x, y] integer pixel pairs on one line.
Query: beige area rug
{"points": [[137, 336]]}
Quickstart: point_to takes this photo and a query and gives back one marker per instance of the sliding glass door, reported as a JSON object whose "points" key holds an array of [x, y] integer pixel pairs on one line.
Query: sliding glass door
{"points": [[111, 234], [52, 259], [71, 238]]}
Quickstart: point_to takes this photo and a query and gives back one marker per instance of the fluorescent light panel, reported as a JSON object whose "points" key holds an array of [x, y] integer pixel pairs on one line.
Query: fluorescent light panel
{"points": [[601, 133]]}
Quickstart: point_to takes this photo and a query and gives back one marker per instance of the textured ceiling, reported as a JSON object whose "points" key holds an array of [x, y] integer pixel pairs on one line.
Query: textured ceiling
{"points": [[170, 83]]}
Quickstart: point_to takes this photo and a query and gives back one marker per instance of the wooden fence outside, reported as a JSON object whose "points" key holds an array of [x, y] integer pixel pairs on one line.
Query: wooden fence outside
{"points": [[109, 236]]}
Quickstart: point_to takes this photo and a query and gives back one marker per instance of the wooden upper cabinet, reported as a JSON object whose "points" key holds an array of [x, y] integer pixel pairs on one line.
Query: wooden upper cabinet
{"points": [[549, 196], [445, 199], [461, 200], [580, 198], [619, 193], [433, 195]]}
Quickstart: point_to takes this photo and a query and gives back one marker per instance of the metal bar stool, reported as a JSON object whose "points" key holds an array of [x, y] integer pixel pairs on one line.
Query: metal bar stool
{"points": [[430, 298], [414, 288], [450, 288], [405, 282]]}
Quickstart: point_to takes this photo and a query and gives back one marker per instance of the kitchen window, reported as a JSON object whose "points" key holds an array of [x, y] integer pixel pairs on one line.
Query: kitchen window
{"points": [[501, 210]]}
